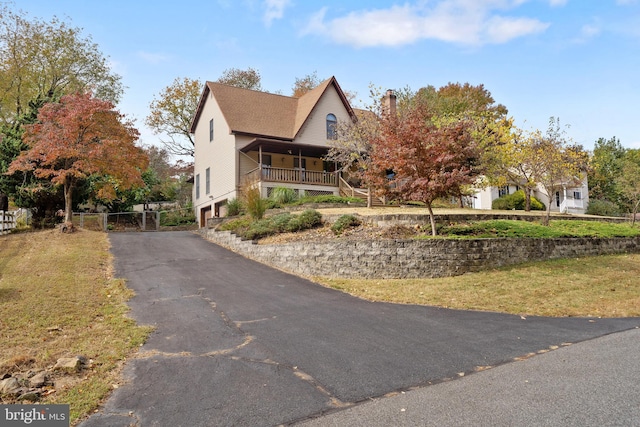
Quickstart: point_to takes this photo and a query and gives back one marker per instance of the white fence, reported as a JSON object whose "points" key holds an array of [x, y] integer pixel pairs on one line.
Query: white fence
{"points": [[7, 222]]}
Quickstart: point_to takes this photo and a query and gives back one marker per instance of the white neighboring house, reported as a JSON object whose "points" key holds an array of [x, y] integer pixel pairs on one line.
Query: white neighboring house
{"points": [[570, 199], [250, 138]]}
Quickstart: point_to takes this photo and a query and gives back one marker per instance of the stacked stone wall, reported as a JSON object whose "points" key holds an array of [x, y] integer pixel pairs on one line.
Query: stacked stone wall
{"points": [[400, 259]]}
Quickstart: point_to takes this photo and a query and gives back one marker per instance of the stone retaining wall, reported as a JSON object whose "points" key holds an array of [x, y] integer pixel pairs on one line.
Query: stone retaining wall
{"points": [[415, 258]]}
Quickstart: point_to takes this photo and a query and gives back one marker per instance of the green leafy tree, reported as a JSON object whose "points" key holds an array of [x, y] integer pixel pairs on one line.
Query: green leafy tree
{"points": [[561, 162], [515, 160], [45, 60], [628, 182], [462, 101], [605, 168]]}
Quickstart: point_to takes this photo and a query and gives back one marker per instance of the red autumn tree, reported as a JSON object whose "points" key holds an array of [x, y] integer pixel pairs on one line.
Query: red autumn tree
{"points": [[78, 137], [414, 158]]}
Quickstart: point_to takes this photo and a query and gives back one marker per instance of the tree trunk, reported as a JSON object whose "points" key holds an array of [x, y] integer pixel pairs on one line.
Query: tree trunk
{"points": [[68, 205], [369, 197], [527, 199], [547, 217], [432, 219], [635, 212]]}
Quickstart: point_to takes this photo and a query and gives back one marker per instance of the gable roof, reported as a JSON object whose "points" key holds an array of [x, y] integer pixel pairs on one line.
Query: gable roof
{"points": [[265, 114]]}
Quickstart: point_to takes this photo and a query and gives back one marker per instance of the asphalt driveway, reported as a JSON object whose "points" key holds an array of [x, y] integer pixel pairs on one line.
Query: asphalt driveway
{"points": [[241, 344]]}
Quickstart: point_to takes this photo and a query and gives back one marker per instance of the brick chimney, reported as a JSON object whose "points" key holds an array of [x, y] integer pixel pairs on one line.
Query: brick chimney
{"points": [[389, 103]]}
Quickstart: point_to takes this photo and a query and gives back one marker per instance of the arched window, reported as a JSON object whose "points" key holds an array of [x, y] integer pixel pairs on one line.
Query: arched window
{"points": [[332, 126]]}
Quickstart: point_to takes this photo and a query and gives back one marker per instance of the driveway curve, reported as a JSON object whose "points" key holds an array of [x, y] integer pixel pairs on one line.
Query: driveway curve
{"points": [[237, 343]]}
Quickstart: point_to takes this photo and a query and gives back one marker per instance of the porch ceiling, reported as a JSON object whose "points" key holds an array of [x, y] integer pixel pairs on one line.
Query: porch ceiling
{"points": [[284, 147]]}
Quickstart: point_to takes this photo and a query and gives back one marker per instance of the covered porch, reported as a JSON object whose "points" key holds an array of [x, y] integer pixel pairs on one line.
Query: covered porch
{"points": [[283, 163]]}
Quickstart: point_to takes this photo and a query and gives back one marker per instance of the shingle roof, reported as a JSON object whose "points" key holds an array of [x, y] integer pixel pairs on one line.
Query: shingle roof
{"points": [[265, 114]]}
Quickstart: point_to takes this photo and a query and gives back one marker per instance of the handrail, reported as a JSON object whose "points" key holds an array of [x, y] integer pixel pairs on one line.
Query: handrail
{"points": [[353, 190]]}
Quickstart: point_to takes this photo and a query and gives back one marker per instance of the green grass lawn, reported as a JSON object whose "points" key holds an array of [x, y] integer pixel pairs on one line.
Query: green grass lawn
{"points": [[534, 229]]}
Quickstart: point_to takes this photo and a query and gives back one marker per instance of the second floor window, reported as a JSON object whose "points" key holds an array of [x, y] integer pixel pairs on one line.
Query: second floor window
{"points": [[210, 130], [207, 181], [332, 126], [197, 186]]}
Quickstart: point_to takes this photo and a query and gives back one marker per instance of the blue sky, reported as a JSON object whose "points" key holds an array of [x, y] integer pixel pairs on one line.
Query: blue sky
{"points": [[578, 60]]}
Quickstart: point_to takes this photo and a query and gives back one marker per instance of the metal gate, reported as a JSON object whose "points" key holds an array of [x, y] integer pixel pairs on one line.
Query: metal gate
{"points": [[120, 221]]}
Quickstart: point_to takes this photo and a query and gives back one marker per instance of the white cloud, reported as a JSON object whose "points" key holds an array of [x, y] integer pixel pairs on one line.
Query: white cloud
{"points": [[152, 58], [470, 22], [625, 2], [589, 31], [556, 3], [274, 9], [501, 30]]}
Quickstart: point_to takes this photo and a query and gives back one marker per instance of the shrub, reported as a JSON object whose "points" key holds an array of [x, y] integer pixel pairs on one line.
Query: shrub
{"points": [[284, 222], [235, 225], [177, 217], [281, 221], [283, 195], [516, 201], [234, 207], [343, 223], [329, 198], [603, 208], [270, 204], [258, 229], [256, 205], [306, 220]]}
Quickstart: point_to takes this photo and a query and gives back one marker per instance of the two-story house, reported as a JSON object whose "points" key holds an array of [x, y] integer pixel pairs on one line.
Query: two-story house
{"points": [[250, 138]]}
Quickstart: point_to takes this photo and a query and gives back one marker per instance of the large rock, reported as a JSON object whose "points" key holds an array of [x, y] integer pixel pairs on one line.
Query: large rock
{"points": [[69, 363], [38, 380], [9, 386]]}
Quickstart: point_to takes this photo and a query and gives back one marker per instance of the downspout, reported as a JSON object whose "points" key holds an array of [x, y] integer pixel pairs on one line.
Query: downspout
{"points": [[260, 169]]}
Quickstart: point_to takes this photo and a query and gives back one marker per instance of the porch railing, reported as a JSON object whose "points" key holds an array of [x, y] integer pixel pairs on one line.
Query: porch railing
{"points": [[270, 174], [567, 204]]}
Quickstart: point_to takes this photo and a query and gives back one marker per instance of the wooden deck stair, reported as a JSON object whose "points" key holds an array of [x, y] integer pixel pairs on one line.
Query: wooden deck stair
{"points": [[347, 190]]}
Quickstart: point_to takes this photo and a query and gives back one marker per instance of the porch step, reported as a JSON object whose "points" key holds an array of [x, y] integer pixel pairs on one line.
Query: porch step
{"points": [[375, 201]]}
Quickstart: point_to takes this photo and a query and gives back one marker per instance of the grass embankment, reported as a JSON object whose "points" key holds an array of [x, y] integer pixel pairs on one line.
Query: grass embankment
{"points": [[603, 286], [534, 229], [58, 298]]}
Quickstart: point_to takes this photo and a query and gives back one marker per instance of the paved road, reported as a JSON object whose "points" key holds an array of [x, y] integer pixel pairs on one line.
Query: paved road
{"points": [[594, 383], [240, 344]]}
